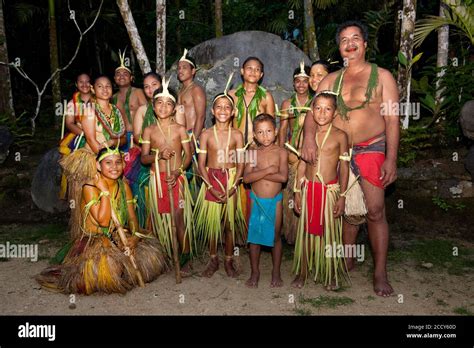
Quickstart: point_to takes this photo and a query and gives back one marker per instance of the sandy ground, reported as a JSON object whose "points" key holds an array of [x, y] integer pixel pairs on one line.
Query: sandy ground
{"points": [[418, 292]]}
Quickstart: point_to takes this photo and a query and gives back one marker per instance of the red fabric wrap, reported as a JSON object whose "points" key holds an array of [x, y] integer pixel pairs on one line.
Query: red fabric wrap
{"points": [[314, 204], [216, 176], [164, 203]]}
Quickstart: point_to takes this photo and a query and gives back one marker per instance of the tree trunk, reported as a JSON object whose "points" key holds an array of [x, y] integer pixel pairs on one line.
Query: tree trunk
{"points": [[310, 30], [134, 36], [406, 47], [219, 25], [398, 26], [54, 59], [443, 45], [6, 97], [161, 37]]}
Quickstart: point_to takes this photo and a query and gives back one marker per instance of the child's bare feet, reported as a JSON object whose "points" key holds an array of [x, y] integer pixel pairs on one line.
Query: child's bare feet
{"points": [[252, 282], [276, 282], [332, 286], [298, 282], [212, 267], [229, 267]]}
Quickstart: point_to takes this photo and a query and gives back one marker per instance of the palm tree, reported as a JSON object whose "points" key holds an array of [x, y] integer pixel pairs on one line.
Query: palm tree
{"points": [[6, 98], [442, 56], [459, 15]]}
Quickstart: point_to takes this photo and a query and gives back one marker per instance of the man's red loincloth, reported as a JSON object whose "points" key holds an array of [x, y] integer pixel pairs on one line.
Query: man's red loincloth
{"points": [[368, 157]]}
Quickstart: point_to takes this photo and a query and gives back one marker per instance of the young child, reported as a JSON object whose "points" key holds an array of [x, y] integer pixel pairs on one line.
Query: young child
{"points": [[218, 207], [266, 178], [168, 140], [319, 202]]}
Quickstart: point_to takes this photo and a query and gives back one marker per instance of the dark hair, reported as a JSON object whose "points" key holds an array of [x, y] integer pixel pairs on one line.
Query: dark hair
{"points": [[322, 62], [83, 73], [297, 70], [102, 151], [222, 95], [159, 90], [153, 74], [263, 118], [188, 57], [101, 76], [352, 23], [326, 95], [253, 58]]}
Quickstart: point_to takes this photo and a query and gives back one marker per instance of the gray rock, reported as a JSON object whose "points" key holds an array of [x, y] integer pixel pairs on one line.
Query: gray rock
{"points": [[6, 139], [217, 58], [467, 119], [469, 162], [46, 183]]}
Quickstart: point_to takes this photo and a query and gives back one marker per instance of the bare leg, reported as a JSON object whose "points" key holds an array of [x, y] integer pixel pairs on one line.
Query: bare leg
{"points": [[349, 237], [277, 249], [300, 278], [183, 242], [213, 264], [229, 266], [252, 282], [378, 235]]}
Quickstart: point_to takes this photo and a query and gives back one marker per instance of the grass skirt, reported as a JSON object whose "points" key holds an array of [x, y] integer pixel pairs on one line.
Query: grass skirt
{"points": [[96, 263], [161, 223], [328, 268], [79, 167], [211, 217]]}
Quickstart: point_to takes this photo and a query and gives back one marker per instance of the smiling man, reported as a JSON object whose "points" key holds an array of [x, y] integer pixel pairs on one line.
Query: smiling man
{"points": [[128, 99], [362, 91]]}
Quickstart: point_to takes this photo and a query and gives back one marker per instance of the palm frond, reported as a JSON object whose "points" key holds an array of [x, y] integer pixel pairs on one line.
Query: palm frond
{"points": [[459, 15]]}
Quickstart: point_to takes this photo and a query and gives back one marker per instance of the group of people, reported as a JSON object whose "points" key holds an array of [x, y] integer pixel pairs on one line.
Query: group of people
{"points": [[147, 180]]}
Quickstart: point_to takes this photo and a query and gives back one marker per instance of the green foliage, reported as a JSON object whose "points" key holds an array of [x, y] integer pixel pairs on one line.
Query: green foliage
{"points": [[375, 21], [412, 141], [439, 252], [326, 301], [19, 128], [444, 205], [459, 15], [462, 311]]}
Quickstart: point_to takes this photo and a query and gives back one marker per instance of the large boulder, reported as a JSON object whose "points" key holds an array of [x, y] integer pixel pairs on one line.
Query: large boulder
{"points": [[467, 119], [6, 139], [46, 183], [217, 58]]}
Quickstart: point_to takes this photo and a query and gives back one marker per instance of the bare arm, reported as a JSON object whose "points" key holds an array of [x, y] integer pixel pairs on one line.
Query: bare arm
{"points": [[146, 157], [188, 156], [283, 132], [343, 165], [100, 212], [199, 101], [132, 217], [138, 123], [282, 175], [269, 104], [251, 174], [392, 128], [88, 125]]}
